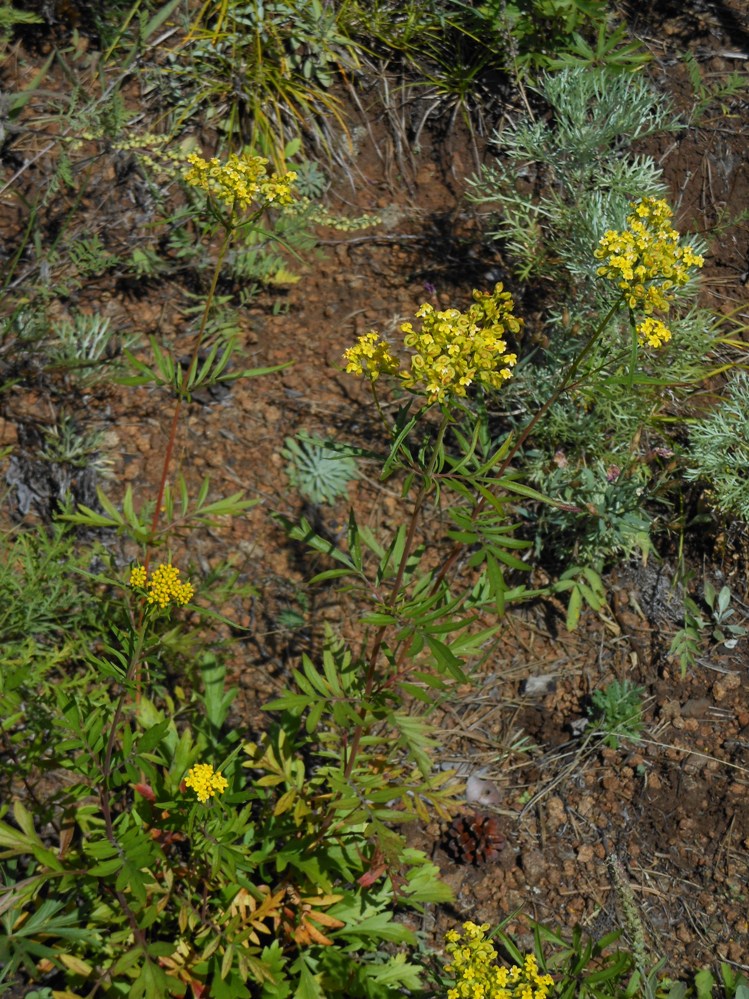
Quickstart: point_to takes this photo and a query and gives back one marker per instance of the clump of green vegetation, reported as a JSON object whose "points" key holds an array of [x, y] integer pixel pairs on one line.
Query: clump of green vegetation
{"points": [[152, 845], [618, 711], [718, 452], [319, 471], [560, 185]]}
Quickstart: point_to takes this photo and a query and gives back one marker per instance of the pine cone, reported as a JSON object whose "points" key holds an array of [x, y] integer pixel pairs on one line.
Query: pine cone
{"points": [[474, 839]]}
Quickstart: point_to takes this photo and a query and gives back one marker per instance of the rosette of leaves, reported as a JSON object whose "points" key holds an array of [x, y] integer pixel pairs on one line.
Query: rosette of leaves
{"points": [[320, 470], [617, 709]]}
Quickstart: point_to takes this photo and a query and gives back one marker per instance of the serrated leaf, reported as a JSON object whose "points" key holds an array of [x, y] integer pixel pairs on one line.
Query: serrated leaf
{"points": [[309, 986], [396, 972]]}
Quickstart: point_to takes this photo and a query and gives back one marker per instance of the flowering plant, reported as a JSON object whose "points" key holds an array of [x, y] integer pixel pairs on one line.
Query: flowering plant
{"points": [[452, 349], [477, 975], [648, 264]]}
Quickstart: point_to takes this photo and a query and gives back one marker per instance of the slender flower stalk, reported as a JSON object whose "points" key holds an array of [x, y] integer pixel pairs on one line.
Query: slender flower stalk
{"points": [[450, 351], [371, 667]]}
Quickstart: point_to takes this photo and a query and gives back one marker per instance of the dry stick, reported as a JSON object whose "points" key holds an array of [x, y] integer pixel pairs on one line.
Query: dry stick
{"points": [[563, 385]]}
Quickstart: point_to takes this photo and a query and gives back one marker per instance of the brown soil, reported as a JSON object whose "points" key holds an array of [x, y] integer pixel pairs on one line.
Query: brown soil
{"points": [[671, 811]]}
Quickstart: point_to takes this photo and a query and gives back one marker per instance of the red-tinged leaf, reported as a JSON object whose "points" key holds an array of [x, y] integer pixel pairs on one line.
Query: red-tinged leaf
{"points": [[145, 791], [369, 877]]}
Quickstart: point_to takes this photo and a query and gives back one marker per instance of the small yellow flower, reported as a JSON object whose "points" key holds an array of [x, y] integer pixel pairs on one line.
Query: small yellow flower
{"points": [[454, 349], [370, 356], [205, 781], [652, 332], [646, 260], [165, 585], [239, 183], [479, 977]]}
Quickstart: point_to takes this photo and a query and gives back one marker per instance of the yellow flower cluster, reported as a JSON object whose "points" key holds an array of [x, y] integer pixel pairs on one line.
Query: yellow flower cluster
{"points": [[241, 182], [450, 351], [205, 782], [652, 332], [646, 260], [370, 356], [138, 576], [163, 586], [477, 976], [454, 349]]}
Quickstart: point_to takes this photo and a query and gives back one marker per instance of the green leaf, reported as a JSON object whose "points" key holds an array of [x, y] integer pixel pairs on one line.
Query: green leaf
{"points": [[573, 609], [378, 619], [703, 983], [158, 19], [509, 560], [153, 736], [151, 983], [106, 868], [397, 972], [445, 659], [289, 702], [398, 442], [309, 986], [329, 574]]}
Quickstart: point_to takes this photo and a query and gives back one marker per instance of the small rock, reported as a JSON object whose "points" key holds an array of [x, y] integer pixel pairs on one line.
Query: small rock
{"points": [[536, 685], [556, 816], [695, 707], [481, 792], [534, 865], [8, 433], [670, 710], [723, 687]]}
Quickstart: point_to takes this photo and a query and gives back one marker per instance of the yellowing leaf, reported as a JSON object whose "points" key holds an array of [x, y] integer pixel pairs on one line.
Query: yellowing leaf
{"points": [[75, 964], [285, 802], [282, 276]]}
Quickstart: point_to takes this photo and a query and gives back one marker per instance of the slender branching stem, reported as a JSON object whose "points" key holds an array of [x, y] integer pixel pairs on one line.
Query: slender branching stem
{"points": [[566, 382], [181, 397], [427, 483], [133, 671]]}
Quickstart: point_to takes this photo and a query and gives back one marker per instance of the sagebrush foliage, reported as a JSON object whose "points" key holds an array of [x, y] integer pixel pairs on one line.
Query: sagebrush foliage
{"points": [[560, 186]]}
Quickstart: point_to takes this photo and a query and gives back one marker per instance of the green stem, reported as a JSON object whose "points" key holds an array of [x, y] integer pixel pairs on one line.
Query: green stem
{"points": [[371, 667], [106, 772], [180, 398], [528, 429], [633, 351]]}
